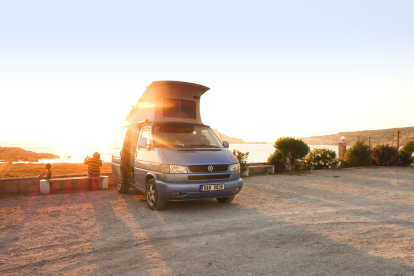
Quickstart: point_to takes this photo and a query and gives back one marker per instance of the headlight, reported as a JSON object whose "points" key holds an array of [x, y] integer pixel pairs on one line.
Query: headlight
{"points": [[178, 169], [166, 168], [235, 167]]}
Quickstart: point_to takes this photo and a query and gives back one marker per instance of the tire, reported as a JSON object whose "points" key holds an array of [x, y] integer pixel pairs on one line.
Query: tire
{"points": [[123, 188], [153, 201], [225, 199]]}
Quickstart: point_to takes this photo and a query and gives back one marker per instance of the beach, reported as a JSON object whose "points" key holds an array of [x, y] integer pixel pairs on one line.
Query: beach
{"points": [[354, 221]]}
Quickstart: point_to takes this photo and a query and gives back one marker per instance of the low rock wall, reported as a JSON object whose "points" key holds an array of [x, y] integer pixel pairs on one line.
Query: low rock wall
{"points": [[264, 168], [257, 164], [261, 169], [258, 168], [30, 185]]}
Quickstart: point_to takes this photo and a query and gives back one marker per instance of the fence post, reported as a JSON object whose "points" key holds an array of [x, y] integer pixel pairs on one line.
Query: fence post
{"points": [[398, 139]]}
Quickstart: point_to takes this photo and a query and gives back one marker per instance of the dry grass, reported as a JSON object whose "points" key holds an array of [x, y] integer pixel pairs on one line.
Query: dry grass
{"points": [[30, 169]]}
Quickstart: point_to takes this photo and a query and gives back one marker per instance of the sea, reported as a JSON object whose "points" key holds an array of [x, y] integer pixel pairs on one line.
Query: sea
{"points": [[76, 153]]}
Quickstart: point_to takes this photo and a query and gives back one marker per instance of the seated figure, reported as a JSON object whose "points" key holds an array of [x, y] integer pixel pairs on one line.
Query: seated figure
{"points": [[94, 167]]}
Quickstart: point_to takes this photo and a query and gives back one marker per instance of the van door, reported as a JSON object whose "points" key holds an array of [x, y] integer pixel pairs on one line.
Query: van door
{"points": [[142, 158], [132, 146], [116, 155]]}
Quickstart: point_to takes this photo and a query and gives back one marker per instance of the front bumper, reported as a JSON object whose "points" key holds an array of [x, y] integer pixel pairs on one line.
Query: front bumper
{"points": [[191, 190]]}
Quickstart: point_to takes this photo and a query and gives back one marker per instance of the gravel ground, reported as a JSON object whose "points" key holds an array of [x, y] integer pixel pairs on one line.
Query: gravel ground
{"points": [[336, 222]]}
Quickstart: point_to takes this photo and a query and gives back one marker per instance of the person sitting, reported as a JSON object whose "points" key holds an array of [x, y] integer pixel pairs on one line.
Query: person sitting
{"points": [[204, 140], [48, 173], [199, 139], [94, 168]]}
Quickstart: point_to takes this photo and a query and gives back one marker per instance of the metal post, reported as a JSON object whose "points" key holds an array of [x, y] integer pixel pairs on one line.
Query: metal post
{"points": [[398, 139]]}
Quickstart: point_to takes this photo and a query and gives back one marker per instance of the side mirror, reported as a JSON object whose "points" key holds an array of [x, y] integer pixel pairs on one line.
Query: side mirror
{"points": [[226, 144], [142, 143]]}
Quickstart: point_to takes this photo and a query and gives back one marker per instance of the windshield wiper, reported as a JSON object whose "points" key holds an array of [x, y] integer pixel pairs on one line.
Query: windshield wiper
{"points": [[203, 146], [178, 145]]}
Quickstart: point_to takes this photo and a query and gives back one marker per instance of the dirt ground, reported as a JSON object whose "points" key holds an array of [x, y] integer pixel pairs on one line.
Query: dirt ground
{"points": [[336, 222]]}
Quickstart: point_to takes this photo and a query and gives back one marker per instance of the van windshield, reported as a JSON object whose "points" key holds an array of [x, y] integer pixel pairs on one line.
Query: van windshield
{"points": [[185, 136]]}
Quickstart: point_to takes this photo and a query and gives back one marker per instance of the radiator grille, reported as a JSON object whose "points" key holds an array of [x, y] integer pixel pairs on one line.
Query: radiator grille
{"points": [[204, 168], [208, 176]]}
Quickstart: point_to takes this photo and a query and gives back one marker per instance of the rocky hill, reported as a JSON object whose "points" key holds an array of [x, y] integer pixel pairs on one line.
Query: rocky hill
{"points": [[380, 136], [19, 154], [233, 140]]}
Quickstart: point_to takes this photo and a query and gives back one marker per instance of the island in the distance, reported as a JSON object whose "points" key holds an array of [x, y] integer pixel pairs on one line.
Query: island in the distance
{"points": [[18, 154], [233, 140]]}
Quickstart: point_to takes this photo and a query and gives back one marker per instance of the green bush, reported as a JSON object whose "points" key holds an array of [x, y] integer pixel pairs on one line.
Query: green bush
{"points": [[406, 152], [319, 159], [290, 149], [409, 147], [276, 159], [358, 155], [406, 158]]}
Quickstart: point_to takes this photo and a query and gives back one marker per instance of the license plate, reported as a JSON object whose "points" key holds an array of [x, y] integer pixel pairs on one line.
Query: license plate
{"points": [[207, 188]]}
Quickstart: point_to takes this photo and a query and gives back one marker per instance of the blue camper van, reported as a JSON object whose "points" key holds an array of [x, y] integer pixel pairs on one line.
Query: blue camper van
{"points": [[167, 152]]}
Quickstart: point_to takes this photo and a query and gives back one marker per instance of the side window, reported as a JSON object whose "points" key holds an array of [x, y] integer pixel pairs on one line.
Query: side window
{"points": [[146, 134], [188, 109], [179, 108], [171, 107]]}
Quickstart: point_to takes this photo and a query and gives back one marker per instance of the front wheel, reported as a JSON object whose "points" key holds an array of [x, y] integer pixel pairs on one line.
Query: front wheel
{"points": [[225, 199], [153, 201], [123, 188]]}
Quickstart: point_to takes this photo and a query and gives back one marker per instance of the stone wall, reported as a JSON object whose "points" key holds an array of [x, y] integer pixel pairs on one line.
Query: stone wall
{"points": [[30, 185]]}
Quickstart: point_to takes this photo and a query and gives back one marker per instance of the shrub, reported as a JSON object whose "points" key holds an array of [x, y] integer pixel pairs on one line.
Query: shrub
{"points": [[276, 159], [291, 149], [384, 155], [319, 159], [242, 157], [406, 153], [406, 158], [358, 155], [409, 147]]}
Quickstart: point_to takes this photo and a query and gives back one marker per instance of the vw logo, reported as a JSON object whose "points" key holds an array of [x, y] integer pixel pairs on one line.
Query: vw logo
{"points": [[210, 168]]}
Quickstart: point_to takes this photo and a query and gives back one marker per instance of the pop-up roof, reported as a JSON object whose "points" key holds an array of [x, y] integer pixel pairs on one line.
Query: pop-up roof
{"points": [[168, 101]]}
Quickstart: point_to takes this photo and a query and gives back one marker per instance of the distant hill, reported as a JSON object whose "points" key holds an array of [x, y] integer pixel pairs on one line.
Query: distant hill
{"points": [[233, 140], [17, 154], [380, 136]]}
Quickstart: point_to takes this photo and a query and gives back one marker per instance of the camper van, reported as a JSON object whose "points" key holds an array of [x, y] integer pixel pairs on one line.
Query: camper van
{"points": [[167, 152]]}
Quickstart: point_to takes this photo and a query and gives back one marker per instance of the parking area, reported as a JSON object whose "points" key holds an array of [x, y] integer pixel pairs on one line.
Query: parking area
{"points": [[336, 222]]}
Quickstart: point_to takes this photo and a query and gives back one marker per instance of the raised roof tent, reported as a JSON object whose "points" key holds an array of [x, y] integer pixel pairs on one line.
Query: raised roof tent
{"points": [[169, 101]]}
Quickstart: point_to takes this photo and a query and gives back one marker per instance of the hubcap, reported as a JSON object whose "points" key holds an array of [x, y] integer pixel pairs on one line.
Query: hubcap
{"points": [[119, 186], [151, 195]]}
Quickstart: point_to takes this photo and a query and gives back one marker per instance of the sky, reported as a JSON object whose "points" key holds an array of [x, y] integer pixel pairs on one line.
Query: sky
{"points": [[70, 70]]}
